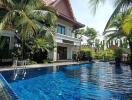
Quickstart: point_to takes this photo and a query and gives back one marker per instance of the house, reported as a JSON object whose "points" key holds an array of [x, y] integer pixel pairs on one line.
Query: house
{"points": [[65, 42]]}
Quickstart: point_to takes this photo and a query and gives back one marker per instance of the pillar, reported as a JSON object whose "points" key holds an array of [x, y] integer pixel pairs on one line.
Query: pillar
{"points": [[55, 53]]}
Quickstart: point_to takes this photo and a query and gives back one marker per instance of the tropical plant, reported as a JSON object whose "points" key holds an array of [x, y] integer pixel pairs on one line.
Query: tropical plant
{"points": [[85, 55], [74, 57], [97, 45], [107, 54], [41, 41], [122, 25], [120, 6], [28, 17], [40, 47], [90, 32], [118, 52], [78, 32]]}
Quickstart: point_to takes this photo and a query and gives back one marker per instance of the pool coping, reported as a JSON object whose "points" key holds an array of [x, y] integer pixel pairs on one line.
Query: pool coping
{"points": [[45, 65], [9, 93]]}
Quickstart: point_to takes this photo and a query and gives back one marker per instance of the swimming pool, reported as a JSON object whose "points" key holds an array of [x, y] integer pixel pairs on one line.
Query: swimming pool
{"points": [[98, 81]]}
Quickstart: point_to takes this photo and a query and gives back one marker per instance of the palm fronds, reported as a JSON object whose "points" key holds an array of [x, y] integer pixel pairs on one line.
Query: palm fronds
{"points": [[30, 18], [94, 4], [121, 6]]}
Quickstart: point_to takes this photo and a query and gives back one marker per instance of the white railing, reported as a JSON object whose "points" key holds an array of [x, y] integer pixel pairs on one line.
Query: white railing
{"points": [[59, 37]]}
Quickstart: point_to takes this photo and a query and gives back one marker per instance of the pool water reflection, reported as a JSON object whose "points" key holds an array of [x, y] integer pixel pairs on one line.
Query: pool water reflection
{"points": [[98, 81]]}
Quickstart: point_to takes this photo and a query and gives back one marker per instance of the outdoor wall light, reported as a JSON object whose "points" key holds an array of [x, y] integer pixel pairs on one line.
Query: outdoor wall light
{"points": [[17, 45], [16, 31]]}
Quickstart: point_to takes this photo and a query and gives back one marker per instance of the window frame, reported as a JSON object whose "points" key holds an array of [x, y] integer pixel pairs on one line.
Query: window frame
{"points": [[61, 29]]}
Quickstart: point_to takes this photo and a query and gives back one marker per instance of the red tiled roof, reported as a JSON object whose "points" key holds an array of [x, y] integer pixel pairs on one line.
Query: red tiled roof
{"points": [[49, 2], [69, 17]]}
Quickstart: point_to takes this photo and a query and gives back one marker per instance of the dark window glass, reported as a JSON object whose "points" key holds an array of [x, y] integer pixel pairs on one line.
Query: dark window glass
{"points": [[58, 29], [61, 29], [4, 42]]}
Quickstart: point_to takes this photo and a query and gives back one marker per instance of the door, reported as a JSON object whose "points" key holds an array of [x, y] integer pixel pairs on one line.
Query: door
{"points": [[62, 53]]}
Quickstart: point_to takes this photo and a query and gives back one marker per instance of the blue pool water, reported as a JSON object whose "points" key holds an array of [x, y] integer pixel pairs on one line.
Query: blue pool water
{"points": [[99, 81]]}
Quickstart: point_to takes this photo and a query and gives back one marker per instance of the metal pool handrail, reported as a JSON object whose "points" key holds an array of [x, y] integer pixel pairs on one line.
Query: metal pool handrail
{"points": [[22, 67]]}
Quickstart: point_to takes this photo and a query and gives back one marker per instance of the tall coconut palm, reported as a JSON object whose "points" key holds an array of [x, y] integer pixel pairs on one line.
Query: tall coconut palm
{"points": [[122, 25], [26, 16]]}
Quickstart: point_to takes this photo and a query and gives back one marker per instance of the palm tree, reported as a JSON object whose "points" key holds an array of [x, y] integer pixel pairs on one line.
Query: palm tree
{"points": [[28, 17], [120, 6], [122, 25]]}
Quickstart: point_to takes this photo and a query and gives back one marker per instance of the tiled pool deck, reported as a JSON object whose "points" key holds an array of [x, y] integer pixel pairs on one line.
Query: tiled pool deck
{"points": [[43, 65]]}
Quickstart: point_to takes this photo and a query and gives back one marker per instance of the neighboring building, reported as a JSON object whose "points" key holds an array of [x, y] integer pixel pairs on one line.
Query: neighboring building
{"points": [[66, 43], [84, 40], [6, 45]]}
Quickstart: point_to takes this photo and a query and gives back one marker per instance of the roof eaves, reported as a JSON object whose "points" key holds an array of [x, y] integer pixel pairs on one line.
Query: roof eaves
{"points": [[71, 11], [76, 23]]}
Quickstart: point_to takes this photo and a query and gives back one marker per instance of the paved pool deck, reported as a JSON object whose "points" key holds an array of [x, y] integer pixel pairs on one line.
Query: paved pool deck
{"points": [[5, 68]]}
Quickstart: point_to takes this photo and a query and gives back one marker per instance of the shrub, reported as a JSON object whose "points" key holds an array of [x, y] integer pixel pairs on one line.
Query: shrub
{"points": [[40, 55], [107, 54], [85, 55], [33, 62], [118, 52], [74, 57], [46, 61]]}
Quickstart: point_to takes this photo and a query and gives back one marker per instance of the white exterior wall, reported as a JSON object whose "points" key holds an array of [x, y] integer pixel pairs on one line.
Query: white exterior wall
{"points": [[69, 52], [68, 36], [68, 27]]}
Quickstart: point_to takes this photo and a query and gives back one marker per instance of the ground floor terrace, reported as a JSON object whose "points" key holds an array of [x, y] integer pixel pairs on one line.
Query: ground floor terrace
{"points": [[63, 51]]}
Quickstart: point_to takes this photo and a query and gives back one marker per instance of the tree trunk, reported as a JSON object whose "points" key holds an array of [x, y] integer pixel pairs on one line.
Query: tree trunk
{"points": [[130, 45]]}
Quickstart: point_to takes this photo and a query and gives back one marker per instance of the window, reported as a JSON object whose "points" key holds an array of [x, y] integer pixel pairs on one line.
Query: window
{"points": [[61, 29], [4, 42]]}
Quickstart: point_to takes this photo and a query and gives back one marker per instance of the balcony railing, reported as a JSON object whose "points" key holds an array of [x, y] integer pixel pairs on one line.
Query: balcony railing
{"points": [[60, 37]]}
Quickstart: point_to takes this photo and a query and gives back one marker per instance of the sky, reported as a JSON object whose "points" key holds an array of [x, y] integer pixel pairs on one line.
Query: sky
{"points": [[84, 14]]}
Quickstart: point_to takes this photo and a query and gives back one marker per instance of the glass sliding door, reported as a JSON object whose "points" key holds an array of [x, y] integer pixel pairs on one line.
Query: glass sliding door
{"points": [[62, 53]]}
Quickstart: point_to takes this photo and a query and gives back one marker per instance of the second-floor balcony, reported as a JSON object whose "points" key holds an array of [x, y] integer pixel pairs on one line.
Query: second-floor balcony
{"points": [[61, 38]]}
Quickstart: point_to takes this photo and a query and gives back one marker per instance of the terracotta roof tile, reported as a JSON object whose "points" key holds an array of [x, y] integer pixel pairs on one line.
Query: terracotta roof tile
{"points": [[62, 10], [49, 2]]}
